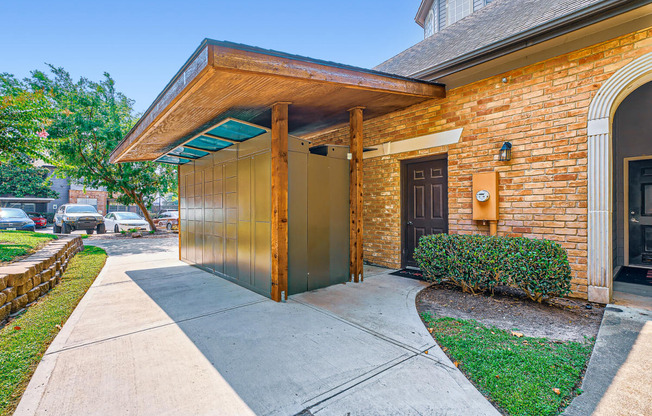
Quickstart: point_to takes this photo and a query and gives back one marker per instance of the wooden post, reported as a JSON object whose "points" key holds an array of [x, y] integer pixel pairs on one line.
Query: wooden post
{"points": [[280, 201], [355, 194]]}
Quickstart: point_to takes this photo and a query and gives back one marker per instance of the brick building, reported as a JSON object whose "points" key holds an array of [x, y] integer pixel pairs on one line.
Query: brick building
{"points": [[98, 198], [567, 85]]}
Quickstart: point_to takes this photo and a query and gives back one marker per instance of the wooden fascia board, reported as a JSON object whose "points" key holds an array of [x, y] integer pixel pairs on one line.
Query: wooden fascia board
{"points": [[151, 118], [230, 59]]}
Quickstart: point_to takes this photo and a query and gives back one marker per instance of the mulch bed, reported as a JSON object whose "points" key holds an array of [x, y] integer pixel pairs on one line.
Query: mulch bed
{"points": [[560, 319]]}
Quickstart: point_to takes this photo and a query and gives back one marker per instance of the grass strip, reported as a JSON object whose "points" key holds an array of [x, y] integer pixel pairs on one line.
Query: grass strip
{"points": [[520, 375], [19, 243], [21, 350]]}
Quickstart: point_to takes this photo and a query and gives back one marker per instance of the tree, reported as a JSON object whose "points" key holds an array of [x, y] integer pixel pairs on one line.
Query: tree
{"points": [[25, 113], [92, 119], [25, 180]]}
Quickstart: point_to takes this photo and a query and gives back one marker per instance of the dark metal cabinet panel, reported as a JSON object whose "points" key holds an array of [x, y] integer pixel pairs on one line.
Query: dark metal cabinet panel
{"points": [[244, 252], [339, 219], [218, 216], [230, 258], [297, 222], [262, 209], [318, 222], [262, 267], [244, 189], [262, 179]]}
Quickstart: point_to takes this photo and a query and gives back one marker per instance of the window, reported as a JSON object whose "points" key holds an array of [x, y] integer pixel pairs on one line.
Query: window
{"points": [[87, 201], [430, 24], [126, 216], [458, 9], [81, 209]]}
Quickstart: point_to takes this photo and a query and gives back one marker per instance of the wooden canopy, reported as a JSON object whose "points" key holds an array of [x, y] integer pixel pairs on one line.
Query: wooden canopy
{"points": [[225, 80]]}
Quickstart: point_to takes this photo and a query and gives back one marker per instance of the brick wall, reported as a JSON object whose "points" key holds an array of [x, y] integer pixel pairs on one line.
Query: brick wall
{"points": [[542, 110], [101, 197]]}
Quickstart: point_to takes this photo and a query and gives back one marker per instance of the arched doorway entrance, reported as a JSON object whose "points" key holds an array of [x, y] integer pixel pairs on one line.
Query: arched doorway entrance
{"points": [[632, 187], [602, 224]]}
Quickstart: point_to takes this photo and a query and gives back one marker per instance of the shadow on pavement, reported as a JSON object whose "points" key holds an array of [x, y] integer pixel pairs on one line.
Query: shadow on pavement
{"points": [[127, 246]]}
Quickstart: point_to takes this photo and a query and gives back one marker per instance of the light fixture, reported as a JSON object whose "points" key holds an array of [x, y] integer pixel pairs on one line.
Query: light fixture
{"points": [[505, 152]]}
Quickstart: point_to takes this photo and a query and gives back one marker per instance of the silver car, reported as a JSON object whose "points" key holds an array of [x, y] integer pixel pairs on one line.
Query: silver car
{"points": [[71, 217]]}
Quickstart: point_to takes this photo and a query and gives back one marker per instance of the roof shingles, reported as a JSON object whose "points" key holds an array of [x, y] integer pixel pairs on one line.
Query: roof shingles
{"points": [[499, 20]]}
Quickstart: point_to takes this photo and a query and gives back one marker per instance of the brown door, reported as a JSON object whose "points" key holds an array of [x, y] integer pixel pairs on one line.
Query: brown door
{"points": [[640, 212], [425, 202]]}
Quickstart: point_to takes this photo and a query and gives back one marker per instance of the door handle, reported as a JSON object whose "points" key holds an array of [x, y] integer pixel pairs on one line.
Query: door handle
{"points": [[634, 220], [410, 223]]}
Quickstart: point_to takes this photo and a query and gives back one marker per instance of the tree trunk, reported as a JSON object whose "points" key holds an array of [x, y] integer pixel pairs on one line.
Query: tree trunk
{"points": [[141, 205]]}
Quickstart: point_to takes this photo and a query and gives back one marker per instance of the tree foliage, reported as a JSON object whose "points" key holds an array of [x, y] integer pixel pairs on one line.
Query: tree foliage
{"points": [[25, 113], [25, 180], [92, 118]]}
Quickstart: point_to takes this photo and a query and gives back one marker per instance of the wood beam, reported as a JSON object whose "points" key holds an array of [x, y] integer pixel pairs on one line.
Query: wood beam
{"points": [[280, 201], [226, 58], [355, 194]]}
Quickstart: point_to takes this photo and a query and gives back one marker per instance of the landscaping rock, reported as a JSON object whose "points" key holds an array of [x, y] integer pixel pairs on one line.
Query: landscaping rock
{"points": [[19, 303], [10, 292], [44, 288], [24, 288], [24, 281], [5, 310], [33, 294]]}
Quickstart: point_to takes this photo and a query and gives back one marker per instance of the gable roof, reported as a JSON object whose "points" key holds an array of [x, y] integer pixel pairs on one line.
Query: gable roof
{"points": [[422, 13], [493, 26]]}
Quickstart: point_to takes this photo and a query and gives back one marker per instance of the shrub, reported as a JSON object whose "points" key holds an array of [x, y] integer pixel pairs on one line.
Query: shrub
{"points": [[480, 263]]}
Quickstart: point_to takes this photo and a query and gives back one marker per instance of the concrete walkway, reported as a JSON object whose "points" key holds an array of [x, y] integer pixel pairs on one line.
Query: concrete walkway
{"points": [[154, 336], [618, 379]]}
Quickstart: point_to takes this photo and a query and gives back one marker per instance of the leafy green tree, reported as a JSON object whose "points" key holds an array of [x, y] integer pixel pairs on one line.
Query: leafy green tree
{"points": [[25, 113], [24, 180], [92, 119]]}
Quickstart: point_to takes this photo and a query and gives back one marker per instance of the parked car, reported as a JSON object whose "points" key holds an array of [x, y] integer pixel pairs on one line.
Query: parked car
{"points": [[71, 217], [168, 220], [15, 219], [124, 221], [39, 220]]}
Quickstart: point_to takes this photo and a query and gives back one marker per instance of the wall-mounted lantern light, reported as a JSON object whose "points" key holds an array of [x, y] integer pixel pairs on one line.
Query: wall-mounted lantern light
{"points": [[505, 152]]}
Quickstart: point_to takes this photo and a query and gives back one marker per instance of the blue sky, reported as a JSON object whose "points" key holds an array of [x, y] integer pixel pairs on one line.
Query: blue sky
{"points": [[143, 43]]}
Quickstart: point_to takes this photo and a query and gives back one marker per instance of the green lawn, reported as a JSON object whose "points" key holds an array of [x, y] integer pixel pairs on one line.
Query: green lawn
{"points": [[19, 243], [518, 375], [22, 349]]}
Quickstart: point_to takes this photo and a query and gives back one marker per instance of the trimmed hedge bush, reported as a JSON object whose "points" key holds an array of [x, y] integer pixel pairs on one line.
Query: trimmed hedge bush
{"points": [[479, 263]]}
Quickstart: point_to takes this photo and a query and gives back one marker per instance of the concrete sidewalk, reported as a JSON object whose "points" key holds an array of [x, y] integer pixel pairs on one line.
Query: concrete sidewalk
{"points": [[618, 379], [154, 336]]}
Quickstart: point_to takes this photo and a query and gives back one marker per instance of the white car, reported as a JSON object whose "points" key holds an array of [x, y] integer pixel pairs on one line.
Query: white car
{"points": [[125, 221]]}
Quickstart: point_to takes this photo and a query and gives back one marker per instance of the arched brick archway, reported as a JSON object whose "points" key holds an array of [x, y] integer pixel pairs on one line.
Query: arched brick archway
{"points": [[600, 172]]}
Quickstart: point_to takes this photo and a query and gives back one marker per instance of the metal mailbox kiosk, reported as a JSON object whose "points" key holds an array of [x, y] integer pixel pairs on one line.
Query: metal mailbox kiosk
{"points": [[226, 208]]}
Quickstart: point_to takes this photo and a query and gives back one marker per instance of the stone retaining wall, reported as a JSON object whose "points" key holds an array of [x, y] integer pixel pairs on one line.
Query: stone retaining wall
{"points": [[24, 281]]}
